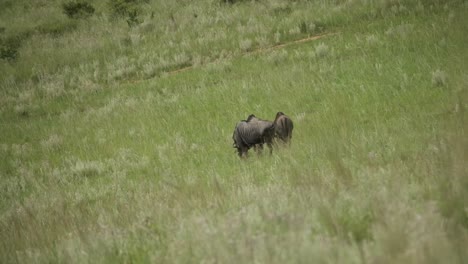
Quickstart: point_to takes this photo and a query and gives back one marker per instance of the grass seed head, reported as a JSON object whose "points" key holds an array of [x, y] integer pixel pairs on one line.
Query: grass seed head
{"points": [[439, 78], [322, 50], [246, 45]]}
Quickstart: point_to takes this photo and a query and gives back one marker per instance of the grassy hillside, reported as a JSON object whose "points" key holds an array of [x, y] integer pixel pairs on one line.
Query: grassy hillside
{"points": [[109, 154]]}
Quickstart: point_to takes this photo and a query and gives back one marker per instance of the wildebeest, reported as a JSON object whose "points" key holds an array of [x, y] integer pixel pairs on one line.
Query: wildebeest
{"points": [[251, 132], [252, 119], [283, 127]]}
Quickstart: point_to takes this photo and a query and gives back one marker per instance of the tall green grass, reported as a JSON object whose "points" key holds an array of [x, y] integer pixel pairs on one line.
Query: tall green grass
{"points": [[109, 157]]}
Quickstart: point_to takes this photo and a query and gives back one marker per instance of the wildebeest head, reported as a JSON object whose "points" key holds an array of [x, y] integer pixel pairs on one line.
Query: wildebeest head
{"points": [[283, 127]]}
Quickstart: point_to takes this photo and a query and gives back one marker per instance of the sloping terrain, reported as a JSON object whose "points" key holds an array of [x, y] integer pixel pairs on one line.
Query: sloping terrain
{"points": [[117, 119]]}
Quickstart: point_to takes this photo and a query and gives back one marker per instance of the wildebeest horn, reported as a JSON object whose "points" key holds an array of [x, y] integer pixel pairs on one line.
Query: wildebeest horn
{"points": [[249, 118]]}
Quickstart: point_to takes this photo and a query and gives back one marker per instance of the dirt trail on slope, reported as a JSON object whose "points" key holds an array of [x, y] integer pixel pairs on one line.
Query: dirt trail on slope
{"points": [[259, 50]]}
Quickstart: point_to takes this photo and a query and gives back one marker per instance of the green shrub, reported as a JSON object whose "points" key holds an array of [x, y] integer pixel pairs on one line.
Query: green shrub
{"points": [[129, 9], [78, 9], [8, 52], [9, 46]]}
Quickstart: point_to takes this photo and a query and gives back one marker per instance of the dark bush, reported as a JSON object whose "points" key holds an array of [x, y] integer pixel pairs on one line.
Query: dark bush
{"points": [[303, 27], [8, 53], [78, 9], [132, 19], [129, 9], [9, 47], [123, 8]]}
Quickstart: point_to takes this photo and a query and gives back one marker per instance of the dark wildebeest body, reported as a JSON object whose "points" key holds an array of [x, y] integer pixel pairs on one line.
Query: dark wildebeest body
{"points": [[253, 119], [251, 132], [283, 127]]}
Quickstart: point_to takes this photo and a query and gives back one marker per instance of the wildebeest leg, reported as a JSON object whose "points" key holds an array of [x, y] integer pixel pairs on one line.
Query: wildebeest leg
{"points": [[242, 151], [258, 148], [239, 151], [270, 146], [282, 142]]}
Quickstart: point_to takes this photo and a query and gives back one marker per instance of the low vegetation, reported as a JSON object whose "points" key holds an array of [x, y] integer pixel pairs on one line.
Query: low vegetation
{"points": [[117, 120]]}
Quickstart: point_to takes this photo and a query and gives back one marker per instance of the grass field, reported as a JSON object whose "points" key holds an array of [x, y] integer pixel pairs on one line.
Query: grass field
{"points": [[110, 154]]}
